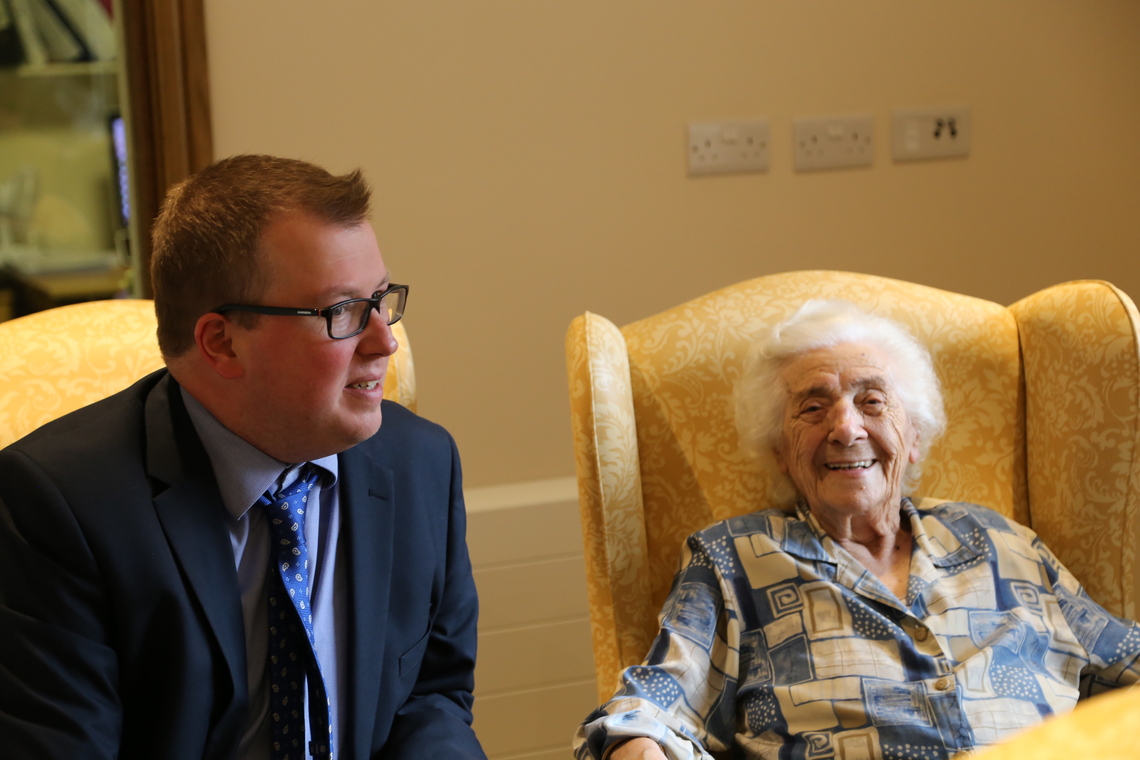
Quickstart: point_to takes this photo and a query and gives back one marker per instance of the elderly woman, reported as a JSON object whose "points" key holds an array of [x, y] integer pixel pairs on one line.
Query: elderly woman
{"points": [[860, 624]]}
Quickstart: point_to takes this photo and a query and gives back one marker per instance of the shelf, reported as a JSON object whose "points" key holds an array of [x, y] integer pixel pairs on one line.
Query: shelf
{"points": [[83, 68], [47, 290]]}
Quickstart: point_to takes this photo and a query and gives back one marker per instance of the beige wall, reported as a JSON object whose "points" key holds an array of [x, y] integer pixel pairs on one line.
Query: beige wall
{"points": [[528, 158]]}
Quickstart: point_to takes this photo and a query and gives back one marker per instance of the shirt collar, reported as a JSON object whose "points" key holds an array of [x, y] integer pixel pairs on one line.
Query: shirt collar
{"points": [[939, 534], [804, 537], [243, 471], [945, 546]]}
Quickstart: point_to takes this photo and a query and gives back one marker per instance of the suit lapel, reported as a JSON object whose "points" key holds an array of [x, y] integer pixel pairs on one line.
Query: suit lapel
{"points": [[368, 509], [192, 516]]}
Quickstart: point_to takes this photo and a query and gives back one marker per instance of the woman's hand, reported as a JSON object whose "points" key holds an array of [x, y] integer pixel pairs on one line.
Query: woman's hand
{"points": [[638, 749]]}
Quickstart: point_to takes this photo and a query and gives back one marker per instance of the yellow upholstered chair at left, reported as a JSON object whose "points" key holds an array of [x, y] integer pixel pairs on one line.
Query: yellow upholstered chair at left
{"points": [[56, 361]]}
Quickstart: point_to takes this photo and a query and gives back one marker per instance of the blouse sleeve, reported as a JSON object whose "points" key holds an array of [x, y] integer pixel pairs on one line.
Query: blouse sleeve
{"points": [[683, 695], [1111, 643]]}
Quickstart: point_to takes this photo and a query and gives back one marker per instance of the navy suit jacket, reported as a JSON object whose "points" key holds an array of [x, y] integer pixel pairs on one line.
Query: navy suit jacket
{"points": [[121, 629]]}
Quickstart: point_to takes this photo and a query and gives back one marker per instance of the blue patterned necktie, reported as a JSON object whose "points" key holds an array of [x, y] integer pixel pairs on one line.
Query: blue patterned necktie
{"points": [[292, 655]]}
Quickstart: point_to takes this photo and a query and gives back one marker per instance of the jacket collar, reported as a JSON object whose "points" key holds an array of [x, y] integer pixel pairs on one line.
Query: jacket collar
{"points": [[189, 507]]}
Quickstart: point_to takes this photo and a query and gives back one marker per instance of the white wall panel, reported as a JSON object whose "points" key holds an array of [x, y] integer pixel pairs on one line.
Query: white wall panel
{"points": [[533, 592], [532, 721], [534, 677], [527, 657]]}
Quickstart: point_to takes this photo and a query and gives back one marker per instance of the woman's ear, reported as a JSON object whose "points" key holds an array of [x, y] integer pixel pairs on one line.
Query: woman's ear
{"points": [[781, 464]]}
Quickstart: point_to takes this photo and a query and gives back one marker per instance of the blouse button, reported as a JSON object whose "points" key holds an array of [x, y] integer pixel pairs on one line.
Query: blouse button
{"points": [[921, 633], [942, 684]]}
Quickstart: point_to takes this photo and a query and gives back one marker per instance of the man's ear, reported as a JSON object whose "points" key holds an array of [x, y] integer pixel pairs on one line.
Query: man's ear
{"points": [[213, 336]]}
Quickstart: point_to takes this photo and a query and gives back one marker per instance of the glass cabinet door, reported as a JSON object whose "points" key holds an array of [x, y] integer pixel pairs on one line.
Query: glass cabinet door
{"points": [[64, 202]]}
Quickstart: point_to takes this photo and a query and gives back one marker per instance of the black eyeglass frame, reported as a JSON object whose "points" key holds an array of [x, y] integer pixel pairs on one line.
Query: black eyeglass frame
{"points": [[327, 312]]}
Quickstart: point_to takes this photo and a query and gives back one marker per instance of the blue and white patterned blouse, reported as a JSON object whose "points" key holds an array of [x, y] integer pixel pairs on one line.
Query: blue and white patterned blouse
{"points": [[776, 641]]}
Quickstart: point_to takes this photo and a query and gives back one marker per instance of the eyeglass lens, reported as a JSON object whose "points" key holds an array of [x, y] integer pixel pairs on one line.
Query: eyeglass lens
{"points": [[351, 317]]}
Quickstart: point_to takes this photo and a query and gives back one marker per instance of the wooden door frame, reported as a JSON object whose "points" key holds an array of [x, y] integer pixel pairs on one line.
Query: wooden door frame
{"points": [[168, 107]]}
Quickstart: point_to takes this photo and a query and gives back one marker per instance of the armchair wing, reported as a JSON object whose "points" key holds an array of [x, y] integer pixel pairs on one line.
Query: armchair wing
{"points": [[609, 492], [1082, 419]]}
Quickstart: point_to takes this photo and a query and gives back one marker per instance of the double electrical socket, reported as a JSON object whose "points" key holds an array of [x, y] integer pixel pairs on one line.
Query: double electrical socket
{"points": [[727, 147], [833, 142]]}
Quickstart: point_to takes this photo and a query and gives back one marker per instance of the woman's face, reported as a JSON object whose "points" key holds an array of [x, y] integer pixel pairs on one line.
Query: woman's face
{"points": [[846, 439]]}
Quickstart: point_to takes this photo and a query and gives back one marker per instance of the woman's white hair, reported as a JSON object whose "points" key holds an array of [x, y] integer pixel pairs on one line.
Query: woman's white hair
{"points": [[761, 393]]}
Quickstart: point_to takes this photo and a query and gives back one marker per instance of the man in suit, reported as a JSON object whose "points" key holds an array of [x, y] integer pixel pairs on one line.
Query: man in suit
{"points": [[233, 558]]}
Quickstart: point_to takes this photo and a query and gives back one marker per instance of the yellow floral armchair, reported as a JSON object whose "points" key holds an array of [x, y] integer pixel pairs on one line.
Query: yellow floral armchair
{"points": [[55, 361], [1042, 397]]}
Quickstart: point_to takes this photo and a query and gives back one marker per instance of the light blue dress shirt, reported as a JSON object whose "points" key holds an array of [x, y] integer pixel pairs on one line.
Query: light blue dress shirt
{"points": [[244, 473]]}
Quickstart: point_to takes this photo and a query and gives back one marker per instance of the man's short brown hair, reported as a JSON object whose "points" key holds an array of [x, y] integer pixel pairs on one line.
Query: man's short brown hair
{"points": [[206, 237]]}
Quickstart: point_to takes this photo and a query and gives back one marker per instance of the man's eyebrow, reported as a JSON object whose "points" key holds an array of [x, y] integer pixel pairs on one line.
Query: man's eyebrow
{"points": [[344, 294]]}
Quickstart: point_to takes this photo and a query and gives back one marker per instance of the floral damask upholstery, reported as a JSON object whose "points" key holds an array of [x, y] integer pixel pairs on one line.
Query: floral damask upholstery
{"points": [[1041, 398], [58, 360]]}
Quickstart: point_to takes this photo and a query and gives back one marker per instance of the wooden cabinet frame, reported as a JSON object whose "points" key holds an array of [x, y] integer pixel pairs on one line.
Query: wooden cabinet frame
{"points": [[168, 106]]}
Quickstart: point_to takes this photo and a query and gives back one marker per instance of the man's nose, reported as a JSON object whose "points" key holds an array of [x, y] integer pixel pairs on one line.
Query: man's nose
{"points": [[846, 424], [377, 337]]}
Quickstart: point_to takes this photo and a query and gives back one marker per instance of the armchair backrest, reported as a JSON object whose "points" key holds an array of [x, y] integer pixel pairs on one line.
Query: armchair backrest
{"points": [[1050, 440], [56, 361]]}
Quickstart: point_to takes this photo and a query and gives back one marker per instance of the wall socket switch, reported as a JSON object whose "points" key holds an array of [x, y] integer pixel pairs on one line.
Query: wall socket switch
{"points": [[727, 147], [922, 133], [833, 142]]}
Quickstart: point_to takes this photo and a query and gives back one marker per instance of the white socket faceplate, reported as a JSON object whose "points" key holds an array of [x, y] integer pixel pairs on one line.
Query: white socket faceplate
{"points": [[726, 147], [833, 142]]}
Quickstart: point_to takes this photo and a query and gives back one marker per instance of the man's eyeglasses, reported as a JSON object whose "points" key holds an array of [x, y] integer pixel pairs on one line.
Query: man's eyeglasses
{"points": [[344, 319]]}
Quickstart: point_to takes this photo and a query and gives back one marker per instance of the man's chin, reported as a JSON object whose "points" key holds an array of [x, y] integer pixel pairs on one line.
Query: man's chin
{"points": [[369, 427], [347, 436]]}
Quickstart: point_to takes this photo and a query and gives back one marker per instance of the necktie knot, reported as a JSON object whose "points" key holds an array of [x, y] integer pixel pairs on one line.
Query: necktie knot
{"points": [[286, 510]]}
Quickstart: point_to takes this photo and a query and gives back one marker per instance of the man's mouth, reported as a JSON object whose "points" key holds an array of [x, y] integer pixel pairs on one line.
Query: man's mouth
{"points": [[368, 386], [863, 465]]}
